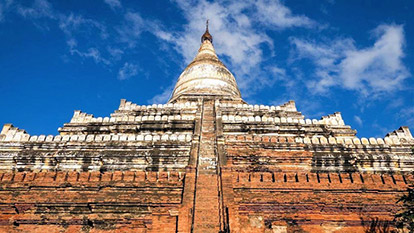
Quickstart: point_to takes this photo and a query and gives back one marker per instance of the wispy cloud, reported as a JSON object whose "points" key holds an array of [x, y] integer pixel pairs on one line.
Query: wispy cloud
{"points": [[132, 28], [370, 71], [115, 53], [4, 8], [91, 53], [407, 114], [113, 3], [134, 25], [163, 97], [39, 9], [127, 71], [72, 25], [358, 120], [274, 13]]}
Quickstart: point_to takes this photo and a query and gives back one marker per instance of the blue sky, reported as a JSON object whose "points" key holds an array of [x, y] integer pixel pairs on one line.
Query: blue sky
{"points": [[351, 56]]}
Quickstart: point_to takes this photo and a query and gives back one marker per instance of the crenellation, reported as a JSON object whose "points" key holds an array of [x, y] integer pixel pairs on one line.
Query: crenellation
{"points": [[131, 138], [365, 141], [148, 137], [90, 138], [388, 141], [333, 119], [123, 137], [33, 138]]}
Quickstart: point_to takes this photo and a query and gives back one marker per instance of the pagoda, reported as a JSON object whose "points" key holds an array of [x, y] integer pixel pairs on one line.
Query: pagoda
{"points": [[206, 161]]}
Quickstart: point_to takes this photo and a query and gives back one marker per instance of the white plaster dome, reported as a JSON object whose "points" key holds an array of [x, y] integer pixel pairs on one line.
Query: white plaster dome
{"points": [[206, 75]]}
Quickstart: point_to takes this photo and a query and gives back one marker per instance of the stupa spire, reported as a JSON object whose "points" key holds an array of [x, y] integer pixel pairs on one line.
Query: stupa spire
{"points": [[206, 74], [207, 35]]}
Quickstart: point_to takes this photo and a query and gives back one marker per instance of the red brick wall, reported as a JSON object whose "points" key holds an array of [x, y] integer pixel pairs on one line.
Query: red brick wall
{"points": [[90, 201]]}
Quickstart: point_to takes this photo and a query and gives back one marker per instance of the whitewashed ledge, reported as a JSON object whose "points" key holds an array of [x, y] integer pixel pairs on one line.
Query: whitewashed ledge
{"points": [[13, 134], [321, 140], [129, 106], [266, 119], [289, 107], [81, 117]]}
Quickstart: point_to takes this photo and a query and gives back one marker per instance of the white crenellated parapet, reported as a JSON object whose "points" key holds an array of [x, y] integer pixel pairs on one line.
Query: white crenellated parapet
{"points": [[156, 138], [321, 140], [364, 141], [332, 119], [33, 138], [299, 140], [49, 138], [57, 138], [332, 140], [11, 133], [129, 106], [402, 134], [290, 106], [340, 140], [65, 138], [265, 119], [81, 117], [388, 140]]}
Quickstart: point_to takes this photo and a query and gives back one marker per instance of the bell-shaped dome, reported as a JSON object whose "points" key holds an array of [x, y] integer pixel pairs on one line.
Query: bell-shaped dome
{"points": [[206, 75]]}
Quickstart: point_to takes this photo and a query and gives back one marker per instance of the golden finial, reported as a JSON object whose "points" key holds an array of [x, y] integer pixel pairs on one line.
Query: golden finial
{"points": [[206, 35]]}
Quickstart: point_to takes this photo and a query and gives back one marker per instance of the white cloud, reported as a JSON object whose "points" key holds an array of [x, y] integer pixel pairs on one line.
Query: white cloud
{"points": [[370, 71], [90, 53], [163, 97], [235, 37], [407, 114], [113, 3], [127, 71], [274, 13], [39, 9], [116, 53], [133, 27], [379, 67], [72, 24], [4, 8], [358, 120]]}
